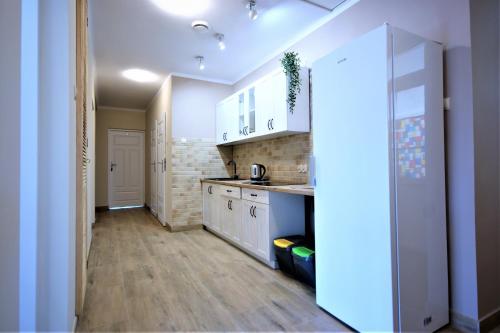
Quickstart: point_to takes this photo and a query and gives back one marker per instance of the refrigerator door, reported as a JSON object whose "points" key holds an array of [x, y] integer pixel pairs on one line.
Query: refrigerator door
{"points": [[354, 234], [420, 189]]}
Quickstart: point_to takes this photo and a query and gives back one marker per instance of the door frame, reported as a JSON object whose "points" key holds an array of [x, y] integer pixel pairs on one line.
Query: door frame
{"points": [[143, 162], [154, 174], [161, 177]]}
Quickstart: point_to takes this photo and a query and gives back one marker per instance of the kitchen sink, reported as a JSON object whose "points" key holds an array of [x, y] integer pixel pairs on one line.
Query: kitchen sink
{"points": [[224, 179]]}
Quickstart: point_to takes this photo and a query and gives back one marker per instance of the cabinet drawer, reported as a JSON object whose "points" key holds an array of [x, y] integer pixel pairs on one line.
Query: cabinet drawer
{"points": [[255, 195], [230, 191]]}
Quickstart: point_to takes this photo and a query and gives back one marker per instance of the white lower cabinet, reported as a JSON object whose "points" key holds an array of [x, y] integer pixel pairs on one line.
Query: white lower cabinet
{"points": [[210, 203], [252, 219], [250, 227], [230, 217], [261, 216]]}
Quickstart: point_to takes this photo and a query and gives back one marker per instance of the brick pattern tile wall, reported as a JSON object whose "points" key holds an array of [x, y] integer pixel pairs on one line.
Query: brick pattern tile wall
{"points": [[280, 156], [192, 160]]}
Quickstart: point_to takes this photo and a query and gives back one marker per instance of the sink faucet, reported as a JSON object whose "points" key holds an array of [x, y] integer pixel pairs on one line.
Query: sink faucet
{"points": [[233, 162]]}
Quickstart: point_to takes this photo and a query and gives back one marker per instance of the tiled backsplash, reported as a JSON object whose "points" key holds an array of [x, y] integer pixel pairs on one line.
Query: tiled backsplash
{"points": [[193, 159], [280, 156]]}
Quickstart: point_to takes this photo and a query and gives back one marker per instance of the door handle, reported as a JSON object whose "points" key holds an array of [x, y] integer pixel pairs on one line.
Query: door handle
{"points": [[112, 166]]}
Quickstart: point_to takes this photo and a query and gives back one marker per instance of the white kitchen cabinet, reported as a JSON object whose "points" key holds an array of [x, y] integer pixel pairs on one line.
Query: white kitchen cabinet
{"points": [[230, 217], [226, 120], [246, 113], [261, 216], [210, 206], [261, 111], [255, 228], [249, 231]]}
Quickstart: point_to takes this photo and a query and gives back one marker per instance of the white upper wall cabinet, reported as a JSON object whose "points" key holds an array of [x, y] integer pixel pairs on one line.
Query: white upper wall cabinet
{"points": [[260, 111]]}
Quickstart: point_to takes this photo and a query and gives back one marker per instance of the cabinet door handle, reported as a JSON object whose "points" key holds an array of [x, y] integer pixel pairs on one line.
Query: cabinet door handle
{"points": [[228, 207], [251, 207], [231, 204], [254, 215], [269, 124], [272, 123]]}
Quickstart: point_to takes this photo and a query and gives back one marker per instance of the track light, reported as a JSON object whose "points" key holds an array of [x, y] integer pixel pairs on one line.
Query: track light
{"points": [[252, 6], [220, 38], [201, 62]]}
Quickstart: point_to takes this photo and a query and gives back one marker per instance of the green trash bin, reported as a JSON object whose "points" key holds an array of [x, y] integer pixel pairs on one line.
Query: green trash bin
{"points": [[303, 259]]}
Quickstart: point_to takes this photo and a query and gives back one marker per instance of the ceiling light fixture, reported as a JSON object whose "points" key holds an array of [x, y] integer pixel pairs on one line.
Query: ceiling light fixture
{"points": [[200, 26], [220, 38], [140, 75], [186, 8], [201, 62], [252, 7]]}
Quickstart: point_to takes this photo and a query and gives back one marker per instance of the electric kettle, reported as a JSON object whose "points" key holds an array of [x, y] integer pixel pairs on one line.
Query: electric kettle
{"points": [[257, 171]]}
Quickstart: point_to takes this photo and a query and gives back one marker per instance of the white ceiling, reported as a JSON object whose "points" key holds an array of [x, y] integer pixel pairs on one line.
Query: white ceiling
{"points": [[137, 34]]}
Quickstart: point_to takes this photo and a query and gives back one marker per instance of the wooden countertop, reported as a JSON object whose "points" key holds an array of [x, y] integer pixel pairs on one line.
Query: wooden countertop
{"points": [[303, 189]]}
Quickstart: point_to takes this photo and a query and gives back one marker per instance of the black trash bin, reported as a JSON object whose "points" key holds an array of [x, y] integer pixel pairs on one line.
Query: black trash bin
{"points": [[283, 250], [303, 259]]}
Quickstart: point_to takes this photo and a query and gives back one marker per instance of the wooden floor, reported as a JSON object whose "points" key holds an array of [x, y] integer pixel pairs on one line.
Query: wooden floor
{"points": [[144, 278]]}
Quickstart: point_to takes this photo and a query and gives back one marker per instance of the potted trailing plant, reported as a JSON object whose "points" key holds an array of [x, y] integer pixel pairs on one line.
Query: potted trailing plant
{"points": [[291, 67]]}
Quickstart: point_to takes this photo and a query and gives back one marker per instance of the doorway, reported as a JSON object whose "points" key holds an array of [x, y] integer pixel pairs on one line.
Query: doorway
{"points": [[125, 168]]}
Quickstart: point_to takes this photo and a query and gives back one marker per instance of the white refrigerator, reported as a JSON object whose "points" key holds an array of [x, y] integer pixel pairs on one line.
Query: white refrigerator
{"points": [[380, 214]]}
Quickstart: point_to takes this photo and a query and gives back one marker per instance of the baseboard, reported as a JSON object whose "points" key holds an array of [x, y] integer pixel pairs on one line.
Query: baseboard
{"points": [[490, 321], [180, 228], [101, 208], [464, 323]]}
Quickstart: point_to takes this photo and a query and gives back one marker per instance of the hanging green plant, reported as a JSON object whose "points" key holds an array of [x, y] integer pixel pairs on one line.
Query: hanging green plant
{"points": [[291, 68]]}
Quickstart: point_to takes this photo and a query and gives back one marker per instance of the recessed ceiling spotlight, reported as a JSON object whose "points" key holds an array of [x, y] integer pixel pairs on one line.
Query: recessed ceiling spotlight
{"points": [[252, 9], [186, 8], [201, 62], [200, 26], [220, 38], [140, 75]]}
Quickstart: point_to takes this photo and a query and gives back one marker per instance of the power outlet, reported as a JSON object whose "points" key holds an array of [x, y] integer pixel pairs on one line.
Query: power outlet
{"points": [[302, 168]]}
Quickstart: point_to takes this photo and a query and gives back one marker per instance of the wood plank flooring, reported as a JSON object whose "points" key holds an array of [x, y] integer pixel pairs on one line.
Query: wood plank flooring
{"points": [[144, 278]]}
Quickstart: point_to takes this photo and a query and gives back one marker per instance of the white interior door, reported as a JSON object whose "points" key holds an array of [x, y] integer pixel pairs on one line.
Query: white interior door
{"points": [[153, 168], [160, 170], [125, 168]]}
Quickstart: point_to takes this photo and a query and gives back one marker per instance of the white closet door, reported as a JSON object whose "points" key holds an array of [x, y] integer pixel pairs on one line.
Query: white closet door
{"points": [[153, 167], [161, 170], [125, 168]]}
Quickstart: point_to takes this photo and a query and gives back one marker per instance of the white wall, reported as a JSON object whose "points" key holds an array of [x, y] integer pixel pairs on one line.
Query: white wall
{"points": [[10, 38], [485, 39], [446, 21], [57, 168], [193, 107]]}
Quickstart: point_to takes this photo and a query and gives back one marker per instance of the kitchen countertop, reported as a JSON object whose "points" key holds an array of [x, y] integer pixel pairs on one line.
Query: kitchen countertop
{"points": [[303, 189]]}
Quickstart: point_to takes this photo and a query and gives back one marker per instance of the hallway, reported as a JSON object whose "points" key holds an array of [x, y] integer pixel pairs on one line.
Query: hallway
{"points": [[143, 278]]}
